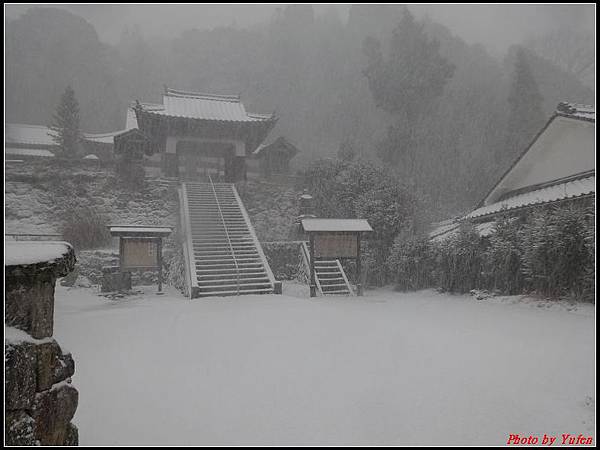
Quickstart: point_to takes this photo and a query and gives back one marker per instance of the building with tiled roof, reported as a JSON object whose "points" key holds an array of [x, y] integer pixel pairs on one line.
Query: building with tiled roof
{"points": [[192, 135], [557, 166], [272, 159]]}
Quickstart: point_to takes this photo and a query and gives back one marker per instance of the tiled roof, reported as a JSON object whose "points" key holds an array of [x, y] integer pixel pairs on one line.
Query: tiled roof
{"points": [[23, 134], [131, 120], [443, 232], [576, 111], [19, 133], [37, 152], [279, 143], [103, 138], [192, 105], [561, 191]]}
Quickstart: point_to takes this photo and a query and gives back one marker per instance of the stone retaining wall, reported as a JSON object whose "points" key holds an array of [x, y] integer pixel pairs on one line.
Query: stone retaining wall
{"points": [[39, 398]]}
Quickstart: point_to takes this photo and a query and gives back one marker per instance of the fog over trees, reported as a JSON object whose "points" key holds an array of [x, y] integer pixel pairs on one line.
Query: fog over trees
{"points": [[382, 84]]}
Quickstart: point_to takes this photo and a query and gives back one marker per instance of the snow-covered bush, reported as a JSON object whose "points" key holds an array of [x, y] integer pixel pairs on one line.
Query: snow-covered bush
{"points": [[549, 252], [412, 262], [460, 261], [558, 252], [176, 270], [85, 228], [503, 258], [282, 258]]}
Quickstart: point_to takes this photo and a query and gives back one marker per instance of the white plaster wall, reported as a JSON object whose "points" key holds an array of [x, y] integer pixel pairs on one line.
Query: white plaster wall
{"points": [[565, 148]]}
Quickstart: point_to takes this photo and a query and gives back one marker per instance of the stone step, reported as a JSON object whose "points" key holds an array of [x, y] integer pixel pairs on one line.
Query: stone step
{"points": [[241, 292]]}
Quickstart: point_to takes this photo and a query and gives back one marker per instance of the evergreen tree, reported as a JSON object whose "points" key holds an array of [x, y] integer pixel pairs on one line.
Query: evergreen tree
{"points": [[65, 127], [525, 103], [406, 84]]}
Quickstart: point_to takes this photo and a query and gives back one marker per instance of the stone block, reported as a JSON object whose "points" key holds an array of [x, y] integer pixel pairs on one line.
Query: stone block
{"points": [[113, 281], [18, 429], [52, 412], [31, 308], [19, 375], [52, 365], [72, 437]]}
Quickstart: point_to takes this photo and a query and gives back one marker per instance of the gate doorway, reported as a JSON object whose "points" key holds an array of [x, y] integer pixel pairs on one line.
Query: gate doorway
{"points": [[199, 160]]}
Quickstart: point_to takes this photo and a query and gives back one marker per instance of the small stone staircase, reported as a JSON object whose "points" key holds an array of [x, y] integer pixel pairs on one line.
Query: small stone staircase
{"points": [[223, 255]]}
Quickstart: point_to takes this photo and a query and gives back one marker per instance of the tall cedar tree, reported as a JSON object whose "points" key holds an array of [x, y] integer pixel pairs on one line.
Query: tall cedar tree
{"points": [[65, 127], [525, 102], [407, 83]]}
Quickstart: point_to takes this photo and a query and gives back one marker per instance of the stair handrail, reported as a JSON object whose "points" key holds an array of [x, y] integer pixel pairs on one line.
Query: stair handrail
{"points": [[306, 258], [237, 269], [343, 272], [188, 247], [259, 249]]}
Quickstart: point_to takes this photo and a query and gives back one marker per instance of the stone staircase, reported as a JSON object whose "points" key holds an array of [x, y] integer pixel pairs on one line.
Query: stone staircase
{"points": [[222, 252]]}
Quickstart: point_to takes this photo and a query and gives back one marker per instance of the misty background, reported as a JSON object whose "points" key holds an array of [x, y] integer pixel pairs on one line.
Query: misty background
{"points": [[309, 65]]}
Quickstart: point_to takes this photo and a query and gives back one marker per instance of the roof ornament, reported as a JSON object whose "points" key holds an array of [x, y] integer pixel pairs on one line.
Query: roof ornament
{"points": [[566, 108]]}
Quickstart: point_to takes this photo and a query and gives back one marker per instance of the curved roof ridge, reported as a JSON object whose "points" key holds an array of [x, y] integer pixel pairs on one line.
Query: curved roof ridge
{"points": [[201, 95]]}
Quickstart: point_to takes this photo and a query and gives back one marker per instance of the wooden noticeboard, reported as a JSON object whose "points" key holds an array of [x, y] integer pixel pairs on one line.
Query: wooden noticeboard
{"points": [[336, 245], [139, 253]]}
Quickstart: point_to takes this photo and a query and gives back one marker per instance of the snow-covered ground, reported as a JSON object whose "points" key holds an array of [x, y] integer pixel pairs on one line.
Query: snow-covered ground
{"points": [[388, 368]]}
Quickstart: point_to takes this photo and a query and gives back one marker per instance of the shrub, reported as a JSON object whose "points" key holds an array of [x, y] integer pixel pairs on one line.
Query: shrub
{"points": [[503, 258], [412, 262], [85, 228], [460, 261], [176, 270], [557, 256], [360, 189]]}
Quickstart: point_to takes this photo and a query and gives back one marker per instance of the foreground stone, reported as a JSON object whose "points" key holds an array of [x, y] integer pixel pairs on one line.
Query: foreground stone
{"points": [[39, 398]]}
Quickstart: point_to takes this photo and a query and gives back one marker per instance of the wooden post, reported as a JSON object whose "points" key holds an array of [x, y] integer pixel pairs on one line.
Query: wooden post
{"points": [[159, 254], [121, 245], [313, 287], [359, 288]]}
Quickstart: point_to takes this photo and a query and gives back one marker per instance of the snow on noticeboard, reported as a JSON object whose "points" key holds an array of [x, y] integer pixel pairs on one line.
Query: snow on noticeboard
{"points": [[328, 225], [33, 252]]}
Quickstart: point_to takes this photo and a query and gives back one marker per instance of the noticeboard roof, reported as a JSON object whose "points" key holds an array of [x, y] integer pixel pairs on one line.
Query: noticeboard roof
{"points": [[139, 230], [333, 225]]}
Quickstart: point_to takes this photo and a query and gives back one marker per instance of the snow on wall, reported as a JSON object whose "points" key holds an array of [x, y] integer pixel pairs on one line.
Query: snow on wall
{"points": [[33, 252]]}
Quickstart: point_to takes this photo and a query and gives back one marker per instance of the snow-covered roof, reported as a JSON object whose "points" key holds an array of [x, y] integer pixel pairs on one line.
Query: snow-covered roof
{"points": [[33, 252], [576, 111], [195, 105], [451, 228], [132, 230], [564, 147], [444, 227], [131, 119], [102, 138], [37, 152], [20, 133], [280, 143], [352, 225], [570, 189], [39, 135]]}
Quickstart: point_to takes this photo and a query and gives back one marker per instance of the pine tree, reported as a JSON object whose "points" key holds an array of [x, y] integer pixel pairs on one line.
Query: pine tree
{"points": [[525, 102], [65, 127]]}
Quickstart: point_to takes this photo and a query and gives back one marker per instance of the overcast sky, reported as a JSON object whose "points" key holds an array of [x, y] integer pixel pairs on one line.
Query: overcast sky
{"points": [[495, 26]]}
